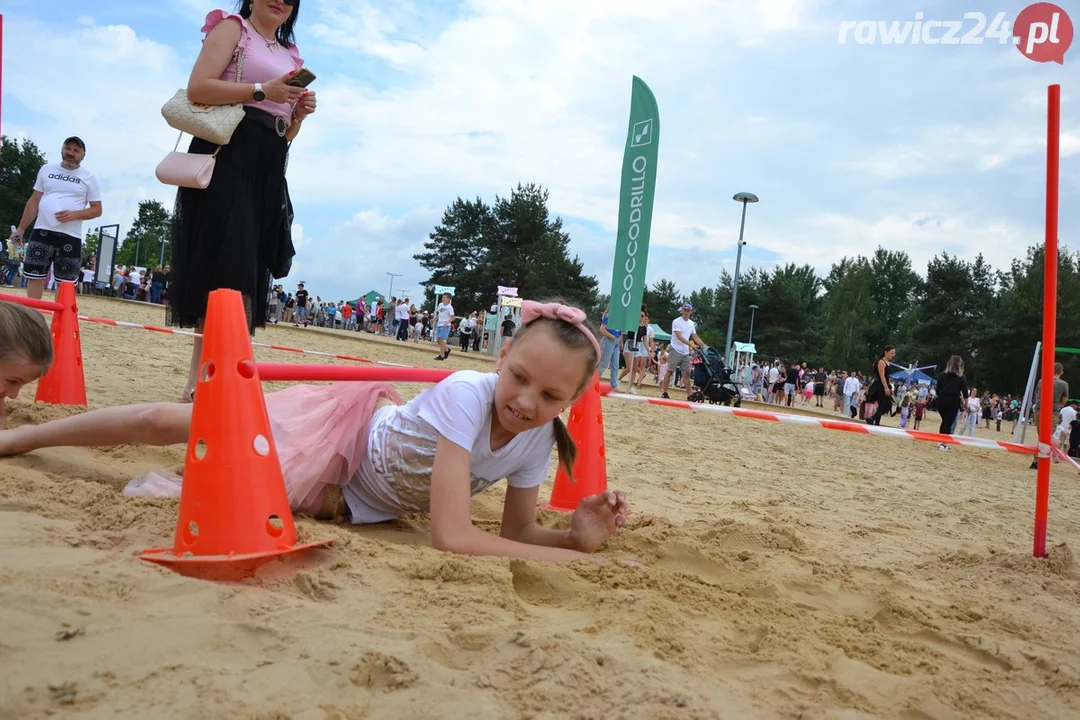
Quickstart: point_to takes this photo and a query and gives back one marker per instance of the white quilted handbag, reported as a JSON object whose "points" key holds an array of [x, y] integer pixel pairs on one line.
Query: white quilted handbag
{"points": [[213, 123]]}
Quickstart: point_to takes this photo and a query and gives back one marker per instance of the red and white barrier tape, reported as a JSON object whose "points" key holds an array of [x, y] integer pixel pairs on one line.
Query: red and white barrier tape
{"points": [[1065, 456], [860, 428]]}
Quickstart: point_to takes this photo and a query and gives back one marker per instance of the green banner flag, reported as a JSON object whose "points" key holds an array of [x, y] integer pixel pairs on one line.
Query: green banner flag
{"points": [[635, 209]]}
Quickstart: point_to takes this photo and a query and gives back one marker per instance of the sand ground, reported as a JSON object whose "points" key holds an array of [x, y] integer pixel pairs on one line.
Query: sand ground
{"points": [[791, 573]]}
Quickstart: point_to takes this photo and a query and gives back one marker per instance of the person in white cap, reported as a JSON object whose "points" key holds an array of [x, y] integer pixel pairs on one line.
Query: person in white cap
{"points": [[683, 330]]}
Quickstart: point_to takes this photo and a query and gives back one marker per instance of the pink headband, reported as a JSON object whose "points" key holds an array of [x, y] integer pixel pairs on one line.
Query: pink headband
{"points": [[554, 311]]}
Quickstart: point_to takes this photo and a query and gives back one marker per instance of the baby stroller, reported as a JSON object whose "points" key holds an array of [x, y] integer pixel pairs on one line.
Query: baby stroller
{"points": [[712, 380]]}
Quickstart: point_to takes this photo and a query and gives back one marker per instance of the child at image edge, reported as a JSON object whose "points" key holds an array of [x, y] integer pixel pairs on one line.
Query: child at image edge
{"points": [[377, 458]]}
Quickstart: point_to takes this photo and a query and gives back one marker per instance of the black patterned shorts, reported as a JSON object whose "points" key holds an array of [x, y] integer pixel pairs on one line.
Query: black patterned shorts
{"points": [[60, 250]]}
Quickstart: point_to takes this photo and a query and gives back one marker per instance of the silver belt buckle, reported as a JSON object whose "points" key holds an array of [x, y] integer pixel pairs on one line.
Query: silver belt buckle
{"points": [[280, 126]]}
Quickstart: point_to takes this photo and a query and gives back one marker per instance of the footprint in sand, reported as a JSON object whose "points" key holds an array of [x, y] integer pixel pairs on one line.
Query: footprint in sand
{"points": [[548, 585], [691, 561], [963, 653], [379, 671], [737, 536], [831, 597]]}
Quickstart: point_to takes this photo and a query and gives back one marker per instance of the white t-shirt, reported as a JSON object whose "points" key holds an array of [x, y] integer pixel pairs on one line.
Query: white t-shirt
{"points": [[64, 190], [443, 313], [650, 334], [401, 312], [852, 385], [687, 328], [1068, 414], [394, 478], [774, 375]]}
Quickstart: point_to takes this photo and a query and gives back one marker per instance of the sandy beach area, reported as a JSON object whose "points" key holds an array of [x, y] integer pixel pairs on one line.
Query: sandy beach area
{"points": [[791, 572]]}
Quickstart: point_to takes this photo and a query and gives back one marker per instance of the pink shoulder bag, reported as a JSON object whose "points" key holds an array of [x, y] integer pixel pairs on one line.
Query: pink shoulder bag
{"points": [[190, 170]]}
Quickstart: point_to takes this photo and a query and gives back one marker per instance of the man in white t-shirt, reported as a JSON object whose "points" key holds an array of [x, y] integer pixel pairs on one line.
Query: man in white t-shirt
{"points": [[65, 194], [683, 330], [852, 386], [444, 316]]}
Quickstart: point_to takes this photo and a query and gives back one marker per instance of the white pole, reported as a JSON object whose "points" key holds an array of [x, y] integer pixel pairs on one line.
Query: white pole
{"points": [[1021, 428]]}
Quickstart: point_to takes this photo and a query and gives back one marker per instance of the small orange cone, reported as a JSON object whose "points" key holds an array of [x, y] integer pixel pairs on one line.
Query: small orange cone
{"points": [[234, 510], [586, 427], [64, 384]]}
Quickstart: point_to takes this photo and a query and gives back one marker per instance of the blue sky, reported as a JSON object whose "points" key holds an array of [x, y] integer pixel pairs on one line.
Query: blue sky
{"points": [[849, 146]]}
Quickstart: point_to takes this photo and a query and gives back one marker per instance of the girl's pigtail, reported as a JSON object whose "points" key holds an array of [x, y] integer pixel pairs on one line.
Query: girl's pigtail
{"points": [[566, 447]]}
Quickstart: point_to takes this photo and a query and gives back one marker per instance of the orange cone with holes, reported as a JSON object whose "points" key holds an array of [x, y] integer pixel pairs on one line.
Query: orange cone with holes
{"points": [[234, 510], [65, 383], [586, 426]]}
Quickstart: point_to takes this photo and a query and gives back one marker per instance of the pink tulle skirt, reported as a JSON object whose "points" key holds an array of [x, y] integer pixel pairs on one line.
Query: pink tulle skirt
{"points": [[320, 432]]}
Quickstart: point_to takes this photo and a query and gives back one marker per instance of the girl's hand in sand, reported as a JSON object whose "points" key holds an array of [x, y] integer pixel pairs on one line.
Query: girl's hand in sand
{"points": [[596, 518]]}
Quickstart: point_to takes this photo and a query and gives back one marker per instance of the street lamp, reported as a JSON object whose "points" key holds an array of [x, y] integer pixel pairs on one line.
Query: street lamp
{"points": [[753, 309], [744, 198], [392, 276]]}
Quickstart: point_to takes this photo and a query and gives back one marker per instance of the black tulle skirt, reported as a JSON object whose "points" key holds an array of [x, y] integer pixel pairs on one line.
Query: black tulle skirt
{"points": [[225, 235]]}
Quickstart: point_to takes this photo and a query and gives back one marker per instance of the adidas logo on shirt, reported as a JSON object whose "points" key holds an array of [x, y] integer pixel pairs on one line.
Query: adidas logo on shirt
{"points": [[65, 178]]}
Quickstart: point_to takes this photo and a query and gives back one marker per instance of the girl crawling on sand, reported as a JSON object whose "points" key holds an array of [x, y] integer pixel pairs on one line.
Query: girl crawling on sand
{"points": [[354, 449], [26, 351]]}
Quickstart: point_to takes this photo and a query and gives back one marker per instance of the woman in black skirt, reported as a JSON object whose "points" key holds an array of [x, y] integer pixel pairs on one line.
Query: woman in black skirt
{"points": [[879, 391], [235, 233], [952, 393]]}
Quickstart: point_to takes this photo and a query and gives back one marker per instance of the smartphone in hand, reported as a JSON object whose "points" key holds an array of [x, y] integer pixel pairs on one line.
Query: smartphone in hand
{"points": [[302, 78]]}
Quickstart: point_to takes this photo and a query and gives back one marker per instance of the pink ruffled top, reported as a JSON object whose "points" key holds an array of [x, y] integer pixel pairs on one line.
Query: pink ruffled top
{"points": [[261, 64]]}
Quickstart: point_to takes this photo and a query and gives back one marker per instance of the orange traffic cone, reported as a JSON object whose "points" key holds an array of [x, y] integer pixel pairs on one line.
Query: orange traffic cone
{"points": [[64, 384], [234, 511], [586, 427]]}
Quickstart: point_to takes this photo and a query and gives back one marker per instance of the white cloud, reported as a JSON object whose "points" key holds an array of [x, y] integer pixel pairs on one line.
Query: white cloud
{"points": [[948, 149]]}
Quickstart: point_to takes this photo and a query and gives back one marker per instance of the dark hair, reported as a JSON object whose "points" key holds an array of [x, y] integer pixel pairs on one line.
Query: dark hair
{"points": [[888, 348], [573, 340], [24, 337], [285, 36]]}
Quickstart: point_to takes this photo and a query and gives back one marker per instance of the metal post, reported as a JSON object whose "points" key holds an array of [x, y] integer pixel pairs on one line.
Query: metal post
{"points": [[1020, 434], [753, 311], [735, 285], [392, 276]]}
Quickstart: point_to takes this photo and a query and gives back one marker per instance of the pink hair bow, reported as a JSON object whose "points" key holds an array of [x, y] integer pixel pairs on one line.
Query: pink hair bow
{"points": [[531, 310]]}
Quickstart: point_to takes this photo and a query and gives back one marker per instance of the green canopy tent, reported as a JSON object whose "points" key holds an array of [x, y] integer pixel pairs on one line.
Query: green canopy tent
{"points": [[658, 334], [369, 298]]}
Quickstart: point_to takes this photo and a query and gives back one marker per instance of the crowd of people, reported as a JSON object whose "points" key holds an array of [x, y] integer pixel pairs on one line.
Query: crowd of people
{"points": [[398, 318], [853, 394]]}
